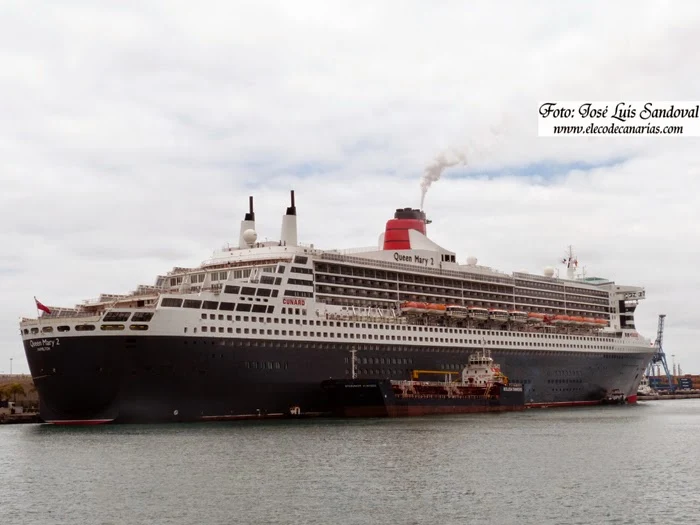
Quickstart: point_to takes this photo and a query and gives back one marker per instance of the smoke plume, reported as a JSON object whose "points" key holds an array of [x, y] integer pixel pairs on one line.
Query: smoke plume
{"points": [[434, 170], [454, 157]]}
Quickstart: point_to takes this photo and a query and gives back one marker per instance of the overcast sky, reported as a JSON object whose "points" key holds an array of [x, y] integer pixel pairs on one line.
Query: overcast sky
{"points": [[132, 133]]}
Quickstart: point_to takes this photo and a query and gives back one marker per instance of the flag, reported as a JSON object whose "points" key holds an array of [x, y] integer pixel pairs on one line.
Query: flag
{"points": [[563, 261], [41, 307]]}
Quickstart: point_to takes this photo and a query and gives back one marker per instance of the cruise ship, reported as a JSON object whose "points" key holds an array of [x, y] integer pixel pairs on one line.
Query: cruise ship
{"points": [[253, 331]]}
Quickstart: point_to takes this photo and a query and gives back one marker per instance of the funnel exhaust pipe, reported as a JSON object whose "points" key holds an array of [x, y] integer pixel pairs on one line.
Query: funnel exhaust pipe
{"points": [[248, 223], [288, 236]]}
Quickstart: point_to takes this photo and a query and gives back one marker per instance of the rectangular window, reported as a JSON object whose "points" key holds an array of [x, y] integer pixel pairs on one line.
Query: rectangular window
{"points": [[241, 307], [117, 316], [295, 293], [210, 305], [300, 282], [264, 292], [247, 290], [171, 302], [259, 308], [227, 306], [192, 303], [232, 289], [296, 269], [142, 317]]}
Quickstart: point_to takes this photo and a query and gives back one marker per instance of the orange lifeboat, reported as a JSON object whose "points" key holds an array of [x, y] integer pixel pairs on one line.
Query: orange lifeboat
{"points": [[410, 306], [590, 321], [435, 308], [533, 317], [561, 319], [577, 320], [601, 322]]}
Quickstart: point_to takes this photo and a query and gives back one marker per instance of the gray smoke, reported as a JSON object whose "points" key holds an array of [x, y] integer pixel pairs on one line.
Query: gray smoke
{"points": [[454, 157], [434, 170]]}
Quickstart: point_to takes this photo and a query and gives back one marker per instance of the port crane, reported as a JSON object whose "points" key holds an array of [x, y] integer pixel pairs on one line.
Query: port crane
{"points": [[659, 356]]}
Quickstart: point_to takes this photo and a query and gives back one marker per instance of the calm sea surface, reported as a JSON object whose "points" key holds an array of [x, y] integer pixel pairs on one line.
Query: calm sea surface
{"points": [[636, 464]]}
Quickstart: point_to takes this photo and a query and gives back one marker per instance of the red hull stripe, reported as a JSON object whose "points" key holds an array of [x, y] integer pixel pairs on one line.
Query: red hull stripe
{"points": [[564, 404], [79, 421]]}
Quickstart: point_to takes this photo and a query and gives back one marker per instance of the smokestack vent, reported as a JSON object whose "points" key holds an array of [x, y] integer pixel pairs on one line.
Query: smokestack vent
{"points": [[409, 213], [250, 216], [289, 225], [292, 210]]}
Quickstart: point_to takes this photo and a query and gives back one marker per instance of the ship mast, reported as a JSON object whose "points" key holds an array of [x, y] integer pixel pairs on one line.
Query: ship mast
{"points": [[571, 263]]}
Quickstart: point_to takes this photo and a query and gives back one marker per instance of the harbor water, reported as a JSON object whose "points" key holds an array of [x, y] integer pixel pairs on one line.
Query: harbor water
{"points": [[618, 464]]}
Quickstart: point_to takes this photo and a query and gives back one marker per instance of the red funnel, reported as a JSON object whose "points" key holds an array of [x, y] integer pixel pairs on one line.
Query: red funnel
{"points": [[396, 233]]}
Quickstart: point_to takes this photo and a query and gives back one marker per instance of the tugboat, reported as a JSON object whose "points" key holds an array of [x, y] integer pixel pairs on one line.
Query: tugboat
{"points": [[644, 388], [479, 387], [614, 397]]}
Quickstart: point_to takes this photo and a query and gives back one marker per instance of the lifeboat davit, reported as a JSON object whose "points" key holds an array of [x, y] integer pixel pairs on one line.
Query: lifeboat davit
{"points": [[456, 310], [498, 315], [517, 316], [477, 312]]}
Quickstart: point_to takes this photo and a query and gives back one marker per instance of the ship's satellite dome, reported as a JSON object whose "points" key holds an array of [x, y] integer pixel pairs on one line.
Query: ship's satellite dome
{"points": [[549, 271], [471, 260], [250, 236]]}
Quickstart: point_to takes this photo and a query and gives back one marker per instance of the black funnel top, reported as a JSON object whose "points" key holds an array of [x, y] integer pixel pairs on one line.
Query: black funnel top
{"points": [[292, 210], [409, 213]]}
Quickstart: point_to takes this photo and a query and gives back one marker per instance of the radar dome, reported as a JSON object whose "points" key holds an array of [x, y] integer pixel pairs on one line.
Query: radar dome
{"points": [[471, 261], [549, 271], [250, 236]]}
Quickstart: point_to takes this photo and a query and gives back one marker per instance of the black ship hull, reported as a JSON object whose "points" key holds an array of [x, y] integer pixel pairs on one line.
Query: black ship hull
{"points": [[377, 398], [96, 379]]}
